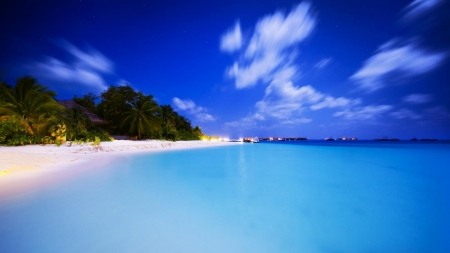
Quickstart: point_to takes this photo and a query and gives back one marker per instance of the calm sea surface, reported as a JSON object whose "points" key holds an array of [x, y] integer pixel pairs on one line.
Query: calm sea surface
{"points": [[269, 197]]}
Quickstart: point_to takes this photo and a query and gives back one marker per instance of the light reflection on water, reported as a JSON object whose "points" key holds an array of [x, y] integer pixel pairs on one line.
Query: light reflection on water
{"points": [[245, 198]]}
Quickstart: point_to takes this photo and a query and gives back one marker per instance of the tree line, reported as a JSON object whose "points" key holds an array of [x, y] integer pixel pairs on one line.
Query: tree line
{"points": [[30, 114]]}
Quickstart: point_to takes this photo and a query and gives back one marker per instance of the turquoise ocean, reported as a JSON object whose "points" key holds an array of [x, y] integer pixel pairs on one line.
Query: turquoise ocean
{"points": [[297, 196]]}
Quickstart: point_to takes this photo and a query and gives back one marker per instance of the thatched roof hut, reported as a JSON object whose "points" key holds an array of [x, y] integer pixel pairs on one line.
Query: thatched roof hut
{"points": [[92, 116]]}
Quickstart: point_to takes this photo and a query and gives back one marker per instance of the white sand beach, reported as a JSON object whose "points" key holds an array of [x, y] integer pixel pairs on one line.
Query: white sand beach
{"points": [[24, 168]]}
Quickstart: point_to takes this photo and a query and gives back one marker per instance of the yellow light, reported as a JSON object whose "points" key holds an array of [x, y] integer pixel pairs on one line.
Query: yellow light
{"points": [[5, 173]]}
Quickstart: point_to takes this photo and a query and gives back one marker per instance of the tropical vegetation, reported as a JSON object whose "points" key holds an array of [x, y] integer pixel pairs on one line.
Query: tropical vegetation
{"points": [[31, 114]]}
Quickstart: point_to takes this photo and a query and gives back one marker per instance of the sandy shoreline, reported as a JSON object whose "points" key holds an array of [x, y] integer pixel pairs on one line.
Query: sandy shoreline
{"points": [[27, 167]]}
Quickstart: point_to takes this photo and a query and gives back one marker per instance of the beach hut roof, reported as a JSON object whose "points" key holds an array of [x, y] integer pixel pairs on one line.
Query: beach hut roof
{"points": [[92, 116]]}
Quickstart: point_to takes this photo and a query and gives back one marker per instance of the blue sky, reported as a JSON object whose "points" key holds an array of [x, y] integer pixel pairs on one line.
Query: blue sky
{"points": [[248, 68]]}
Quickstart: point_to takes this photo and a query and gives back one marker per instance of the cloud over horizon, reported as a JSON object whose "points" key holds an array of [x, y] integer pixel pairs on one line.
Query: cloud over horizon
{"points": [[269, 58], [364, 113], [191, 108]]}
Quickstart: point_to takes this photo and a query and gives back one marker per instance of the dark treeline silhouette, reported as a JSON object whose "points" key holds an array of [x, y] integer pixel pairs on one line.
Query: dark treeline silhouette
{"points": [[30, 114]]}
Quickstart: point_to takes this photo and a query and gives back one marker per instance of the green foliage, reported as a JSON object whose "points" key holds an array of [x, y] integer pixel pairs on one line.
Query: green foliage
{"points": [[142, 116], [86, 136], [77, 122], [114, 105], [96, 141], [87, 101], [12, 133], [29, 114], [4, 87], [32, 103]]}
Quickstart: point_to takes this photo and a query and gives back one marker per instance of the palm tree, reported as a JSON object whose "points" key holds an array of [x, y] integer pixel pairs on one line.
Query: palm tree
{"points": [[142, 115], [168, 119], [31, 103]]}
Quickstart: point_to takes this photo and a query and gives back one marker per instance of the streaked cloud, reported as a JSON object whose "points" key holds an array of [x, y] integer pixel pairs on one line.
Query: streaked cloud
{"points": [[244, 123], [405, 60], [285, 103], [232, 40], [364, 113], [295, 121], [331, 102], [86, 69], [190, 107], [418, 98], [91, 59], [277, 32], [123, 82], [283, 99], [418, 7], [272, 46], [322, 63], [405, 114]]}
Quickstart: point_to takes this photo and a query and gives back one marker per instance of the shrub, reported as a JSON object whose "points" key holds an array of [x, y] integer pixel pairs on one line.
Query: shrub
{"points": [[12, 133], [96, 141]]}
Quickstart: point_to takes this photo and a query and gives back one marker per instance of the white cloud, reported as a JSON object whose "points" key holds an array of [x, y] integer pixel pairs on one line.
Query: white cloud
{"points": [[418, 98], [255, 121], [276, 32], [87, 68], [232, 40], [295, 121], [407, 61], [246, 122], [271, 47], [418, 7], [405, 114], [57, 70], [269, 58], [331, 102], [261, 69], [190, 107], [364, 113], [283, 99], [322, 63], [89, 60]]}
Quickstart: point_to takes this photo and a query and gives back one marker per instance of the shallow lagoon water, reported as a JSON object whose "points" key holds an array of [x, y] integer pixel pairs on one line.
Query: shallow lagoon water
{"points": [[267, 197]]}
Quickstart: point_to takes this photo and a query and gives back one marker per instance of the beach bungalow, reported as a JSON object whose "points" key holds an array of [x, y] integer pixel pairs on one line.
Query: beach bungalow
{"points": [[92, 116]]}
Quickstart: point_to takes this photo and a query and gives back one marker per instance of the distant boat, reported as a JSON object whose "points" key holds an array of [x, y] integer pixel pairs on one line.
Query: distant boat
{"points": [[255, 140], [329, 139]]}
